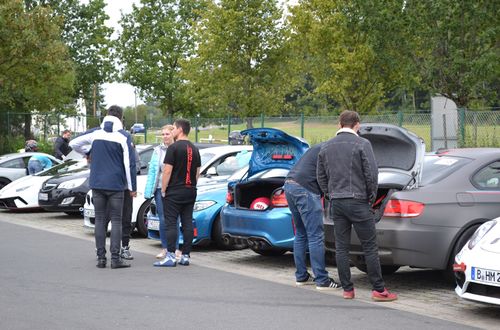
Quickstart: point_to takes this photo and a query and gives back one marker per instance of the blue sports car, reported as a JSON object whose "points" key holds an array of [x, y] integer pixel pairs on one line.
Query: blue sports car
{"points": [[256, 209]]}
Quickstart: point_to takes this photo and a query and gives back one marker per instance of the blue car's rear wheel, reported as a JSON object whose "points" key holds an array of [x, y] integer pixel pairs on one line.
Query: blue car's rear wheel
{"points": [[219, 241]]}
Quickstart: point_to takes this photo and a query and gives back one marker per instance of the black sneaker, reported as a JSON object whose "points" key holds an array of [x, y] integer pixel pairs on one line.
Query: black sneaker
{"points": [[309, 280], [330, 284], [120, 263], [125, 253], [101, 263]]}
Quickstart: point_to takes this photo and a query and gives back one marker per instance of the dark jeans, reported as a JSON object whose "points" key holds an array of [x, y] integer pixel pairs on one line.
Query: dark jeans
{"points": [[348, 213], [307, 214], [127, 218], [179, 202], [107, 202], [163, 227]]}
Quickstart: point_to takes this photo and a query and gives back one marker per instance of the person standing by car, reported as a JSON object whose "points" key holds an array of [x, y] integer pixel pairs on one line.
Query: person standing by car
{"points": [[348, 175], [36, 163], [304, 200], [61, 146], [112, 170], [180, 175], [153, 186]]}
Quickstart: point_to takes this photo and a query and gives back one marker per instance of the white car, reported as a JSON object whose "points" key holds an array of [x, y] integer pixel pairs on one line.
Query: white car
{"points": [[477, 265], [14, 166], [216, 164], [23, 193]]}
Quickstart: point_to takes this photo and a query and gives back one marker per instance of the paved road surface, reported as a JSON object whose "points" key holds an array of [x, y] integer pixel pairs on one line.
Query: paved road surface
{"points": [[421, 292]]}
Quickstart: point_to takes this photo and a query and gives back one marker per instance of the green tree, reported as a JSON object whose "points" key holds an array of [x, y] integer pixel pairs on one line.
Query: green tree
{"points": [[36, 72], [241, 61], [457, 47], [89, 41], [353, 49], [156, 36]]}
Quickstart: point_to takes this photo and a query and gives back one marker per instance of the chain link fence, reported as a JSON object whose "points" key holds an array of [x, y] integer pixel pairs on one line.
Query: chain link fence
{"points": [[473, 128]]}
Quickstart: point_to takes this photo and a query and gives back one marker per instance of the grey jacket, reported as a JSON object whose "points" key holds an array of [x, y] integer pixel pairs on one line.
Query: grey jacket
{"points": [[347, 168]]}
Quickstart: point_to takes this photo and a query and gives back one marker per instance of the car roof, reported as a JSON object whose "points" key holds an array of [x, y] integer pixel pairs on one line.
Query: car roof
{"points": [[468, 152], [22, 154]]}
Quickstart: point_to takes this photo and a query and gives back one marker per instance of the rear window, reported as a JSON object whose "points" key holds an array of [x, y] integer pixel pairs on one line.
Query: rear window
{"points": [[436, 167]]}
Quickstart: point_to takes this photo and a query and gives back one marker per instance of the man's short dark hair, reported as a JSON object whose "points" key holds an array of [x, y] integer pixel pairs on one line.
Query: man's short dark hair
{"points": [[66, 131], [349, 118], [184, 124], [115, 111]]}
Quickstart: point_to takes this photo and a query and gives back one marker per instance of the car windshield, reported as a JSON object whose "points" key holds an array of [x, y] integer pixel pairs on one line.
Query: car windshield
{"points": [[64, 168], [205, 157], [438, 167]]}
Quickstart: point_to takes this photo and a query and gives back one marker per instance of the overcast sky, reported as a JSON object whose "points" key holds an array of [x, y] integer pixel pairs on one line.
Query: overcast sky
{"points": [[119, 93]]}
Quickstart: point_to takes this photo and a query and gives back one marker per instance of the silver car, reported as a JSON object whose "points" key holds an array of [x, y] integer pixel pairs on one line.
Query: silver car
{"points": [[432, 207], [14, 166]]}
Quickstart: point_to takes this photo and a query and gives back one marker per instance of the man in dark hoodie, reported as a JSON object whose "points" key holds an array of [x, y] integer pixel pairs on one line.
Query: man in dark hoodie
{"points": [[61, 146], [112, 171]]}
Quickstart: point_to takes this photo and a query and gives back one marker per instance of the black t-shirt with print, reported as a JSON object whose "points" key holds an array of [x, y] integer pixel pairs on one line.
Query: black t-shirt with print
{"points": [[185, 159]]}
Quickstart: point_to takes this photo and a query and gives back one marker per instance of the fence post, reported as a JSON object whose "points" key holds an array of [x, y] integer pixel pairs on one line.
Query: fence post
{"points": [[302, 125], [444, 132], [228, 125], [145, 129], [261, 120], [461, 127], [400, 118], [8, 121], [58, 123], [196, 129]]}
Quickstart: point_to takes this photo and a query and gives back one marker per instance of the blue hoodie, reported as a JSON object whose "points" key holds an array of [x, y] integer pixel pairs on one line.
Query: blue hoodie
{"points": [[112, 163]]}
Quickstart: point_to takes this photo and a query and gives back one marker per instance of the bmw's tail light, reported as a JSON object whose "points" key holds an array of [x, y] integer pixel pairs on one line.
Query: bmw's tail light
{"points": [[403, 208], [229, 197], [278, 198]]}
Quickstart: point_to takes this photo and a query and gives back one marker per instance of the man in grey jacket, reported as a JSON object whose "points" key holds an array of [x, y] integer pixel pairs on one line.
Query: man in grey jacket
{"points": [[348, 176]]}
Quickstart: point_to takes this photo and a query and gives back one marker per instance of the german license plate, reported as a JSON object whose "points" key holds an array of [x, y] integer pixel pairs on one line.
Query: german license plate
{"points": [[486, 275], [89, 213], [154, 224], [43, 196]]}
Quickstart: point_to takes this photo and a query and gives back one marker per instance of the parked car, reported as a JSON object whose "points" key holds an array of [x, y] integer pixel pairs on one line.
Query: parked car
{"points": [[256, 210], [137, 128], [15, 165], [429, 204], [23, 193], [66, 192], [235, 138], [211, 159], [477, 265]]}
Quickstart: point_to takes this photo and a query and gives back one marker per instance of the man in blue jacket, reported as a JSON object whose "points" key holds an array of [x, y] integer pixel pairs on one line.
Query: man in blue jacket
{"points": [[109, 149]]}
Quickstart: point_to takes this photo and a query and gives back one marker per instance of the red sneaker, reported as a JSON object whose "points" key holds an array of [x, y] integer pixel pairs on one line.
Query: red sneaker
{"points": [[348, 294], [384, 295]]}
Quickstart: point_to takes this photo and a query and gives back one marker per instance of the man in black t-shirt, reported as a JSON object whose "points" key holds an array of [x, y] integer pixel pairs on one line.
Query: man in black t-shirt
{"points": [[180, 175]]}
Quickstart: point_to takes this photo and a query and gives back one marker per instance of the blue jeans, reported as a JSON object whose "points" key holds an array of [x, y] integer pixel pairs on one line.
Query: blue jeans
{"points": [[348, 213], [107, 202], [34, 166], [161, 218], [307, 215]]}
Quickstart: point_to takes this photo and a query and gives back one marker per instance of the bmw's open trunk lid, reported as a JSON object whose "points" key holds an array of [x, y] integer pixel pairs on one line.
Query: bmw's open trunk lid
{"points": [[399, 154]]}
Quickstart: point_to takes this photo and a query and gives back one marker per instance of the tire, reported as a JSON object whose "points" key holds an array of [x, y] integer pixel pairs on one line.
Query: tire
{"points": [[141, 221], [4, 182], [269, 252], [217, 237], [459, 244], [75, 213], [386, 269]]}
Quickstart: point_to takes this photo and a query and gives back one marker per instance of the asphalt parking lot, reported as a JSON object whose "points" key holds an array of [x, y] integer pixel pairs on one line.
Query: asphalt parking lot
{"points": [[420, 291]]}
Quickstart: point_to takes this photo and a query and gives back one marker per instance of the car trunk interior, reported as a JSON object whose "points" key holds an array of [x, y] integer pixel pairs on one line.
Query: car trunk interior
{"points": [[384, 193], [245, 193]]}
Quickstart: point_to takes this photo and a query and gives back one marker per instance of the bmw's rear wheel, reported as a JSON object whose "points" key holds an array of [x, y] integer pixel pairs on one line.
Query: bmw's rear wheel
{"points": [[142, 221], [269, 252], [386, 269]]}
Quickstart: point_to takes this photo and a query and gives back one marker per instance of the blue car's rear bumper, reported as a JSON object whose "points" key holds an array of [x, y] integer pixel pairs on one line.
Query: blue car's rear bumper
{"points": [[274, 226]]}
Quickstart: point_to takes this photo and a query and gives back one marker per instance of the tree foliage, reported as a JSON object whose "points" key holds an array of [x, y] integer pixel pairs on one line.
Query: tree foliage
{"points": [[156, 36], [240, 62], [36, 72], [457, 47]]}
